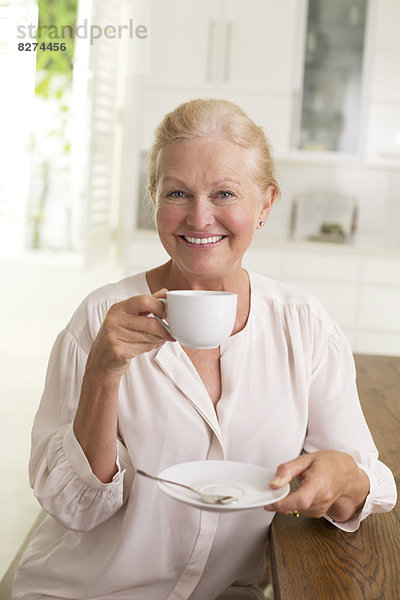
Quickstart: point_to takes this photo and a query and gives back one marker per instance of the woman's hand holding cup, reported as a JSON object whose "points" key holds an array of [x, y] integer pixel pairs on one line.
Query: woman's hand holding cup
{"points": [[126, 332], [198, 319]]}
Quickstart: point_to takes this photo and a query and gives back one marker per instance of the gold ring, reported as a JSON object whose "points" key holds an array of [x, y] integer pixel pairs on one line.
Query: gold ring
{"points": [[294, 513]]}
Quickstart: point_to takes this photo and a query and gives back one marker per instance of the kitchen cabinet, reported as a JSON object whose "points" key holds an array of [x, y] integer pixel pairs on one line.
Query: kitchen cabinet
{"points": [[385, 86], [329, 267], [349, 100], [383, 118], [259, 45], [330, 277], [379, 315], [240, 51], [254, 52], [332, 76], [184, 36], [360, 291], [379, 309], [223, 44], [265, 40], [382, 272]]}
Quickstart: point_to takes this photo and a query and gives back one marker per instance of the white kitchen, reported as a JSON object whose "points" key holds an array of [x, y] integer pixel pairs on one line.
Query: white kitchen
{"points": [[321, 78]]}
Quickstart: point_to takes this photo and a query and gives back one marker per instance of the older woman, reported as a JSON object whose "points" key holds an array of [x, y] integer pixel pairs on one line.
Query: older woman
{"points": [[122, 394]]}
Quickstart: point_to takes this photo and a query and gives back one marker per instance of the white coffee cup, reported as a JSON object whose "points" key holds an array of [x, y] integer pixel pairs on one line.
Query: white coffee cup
{"points": [[199, 318]]}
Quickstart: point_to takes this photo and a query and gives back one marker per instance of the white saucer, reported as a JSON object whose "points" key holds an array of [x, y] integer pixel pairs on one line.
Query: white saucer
{"points": [[250, 483]]}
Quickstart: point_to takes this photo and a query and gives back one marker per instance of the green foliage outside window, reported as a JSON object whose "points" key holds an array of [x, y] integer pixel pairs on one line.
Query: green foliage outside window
{"points": [[54, 67], [57, 20]]}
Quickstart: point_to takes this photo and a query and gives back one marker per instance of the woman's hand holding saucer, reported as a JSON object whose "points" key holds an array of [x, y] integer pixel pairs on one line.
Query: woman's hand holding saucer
{"points": [[331, 483]]}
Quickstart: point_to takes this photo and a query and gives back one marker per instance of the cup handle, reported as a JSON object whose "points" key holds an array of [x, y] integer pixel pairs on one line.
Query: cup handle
{"points": [[161, 321]]}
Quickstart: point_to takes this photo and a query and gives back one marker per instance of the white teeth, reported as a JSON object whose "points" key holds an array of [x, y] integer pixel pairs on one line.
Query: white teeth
{"points": [[209, 240]]}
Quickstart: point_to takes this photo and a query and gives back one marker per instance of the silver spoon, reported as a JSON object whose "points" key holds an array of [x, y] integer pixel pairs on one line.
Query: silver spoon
{"points": [[209, 498]]}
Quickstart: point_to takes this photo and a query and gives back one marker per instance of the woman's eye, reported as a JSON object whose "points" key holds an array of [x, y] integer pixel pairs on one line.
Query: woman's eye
{"points": [[225, 194], [176, 194]]}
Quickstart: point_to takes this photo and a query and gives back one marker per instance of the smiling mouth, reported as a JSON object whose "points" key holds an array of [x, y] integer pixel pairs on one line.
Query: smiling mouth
{"points": [[202, 241]]}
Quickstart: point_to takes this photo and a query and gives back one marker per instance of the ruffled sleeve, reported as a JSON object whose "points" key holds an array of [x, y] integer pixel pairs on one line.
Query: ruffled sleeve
{"points": [[336, 421], [60, 474]]}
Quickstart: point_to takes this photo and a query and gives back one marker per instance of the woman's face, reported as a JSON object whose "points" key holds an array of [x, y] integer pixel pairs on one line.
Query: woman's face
{"points": [[207, 205]]}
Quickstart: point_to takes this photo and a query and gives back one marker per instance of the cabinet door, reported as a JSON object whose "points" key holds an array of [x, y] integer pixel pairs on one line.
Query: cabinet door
{"points": [[184, 39], [385, 79], [259, 45], [383, 125]]}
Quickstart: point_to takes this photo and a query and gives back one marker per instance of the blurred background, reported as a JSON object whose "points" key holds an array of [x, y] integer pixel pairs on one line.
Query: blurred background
{"points": [[323, 80]]}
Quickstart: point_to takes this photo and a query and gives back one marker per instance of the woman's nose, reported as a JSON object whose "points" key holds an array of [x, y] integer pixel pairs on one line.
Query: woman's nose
{"points": [[200, 214]]}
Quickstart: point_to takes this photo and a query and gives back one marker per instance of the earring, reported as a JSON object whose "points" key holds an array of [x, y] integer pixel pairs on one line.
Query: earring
{"points": [[261, 223]]}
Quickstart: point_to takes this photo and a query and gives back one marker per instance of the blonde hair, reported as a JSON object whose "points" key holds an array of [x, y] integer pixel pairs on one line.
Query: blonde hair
{"points": [[210, 117]]}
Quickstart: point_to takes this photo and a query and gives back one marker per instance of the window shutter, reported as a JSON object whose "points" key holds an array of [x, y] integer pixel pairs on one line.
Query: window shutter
{"points": [[17, 89], [106, 76]]}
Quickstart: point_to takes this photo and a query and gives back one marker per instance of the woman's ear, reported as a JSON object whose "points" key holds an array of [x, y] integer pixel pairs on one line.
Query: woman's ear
{"points": [[153, 197], [266, 205]]}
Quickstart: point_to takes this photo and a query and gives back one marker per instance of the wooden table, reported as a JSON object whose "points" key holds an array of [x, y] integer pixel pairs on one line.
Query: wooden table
{"points": [[313, 560]]}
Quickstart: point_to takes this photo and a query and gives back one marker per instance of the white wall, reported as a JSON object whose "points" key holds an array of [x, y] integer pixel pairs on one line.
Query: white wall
{"points": [[36, 302]]}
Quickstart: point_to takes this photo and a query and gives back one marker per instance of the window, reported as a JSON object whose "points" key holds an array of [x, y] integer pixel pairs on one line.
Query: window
{"points": [[65, 172], [17, 83]]}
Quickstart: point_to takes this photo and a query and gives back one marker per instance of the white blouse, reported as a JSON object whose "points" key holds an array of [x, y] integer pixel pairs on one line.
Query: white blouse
{"points": [[288, 386]]}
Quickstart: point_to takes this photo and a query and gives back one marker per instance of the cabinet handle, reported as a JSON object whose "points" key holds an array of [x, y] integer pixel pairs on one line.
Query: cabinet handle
{"points": [[210, 50], [228, 51]]}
